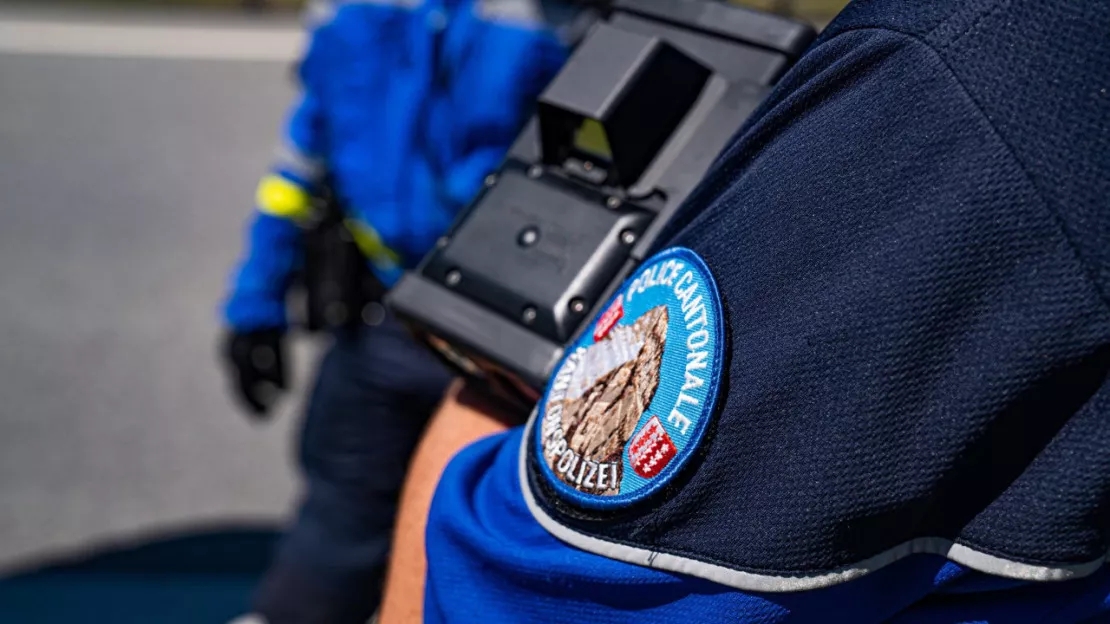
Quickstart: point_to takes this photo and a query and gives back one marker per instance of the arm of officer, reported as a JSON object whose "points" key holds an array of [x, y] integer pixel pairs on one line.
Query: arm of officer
{"points": [[463, 417], [257, 295]]}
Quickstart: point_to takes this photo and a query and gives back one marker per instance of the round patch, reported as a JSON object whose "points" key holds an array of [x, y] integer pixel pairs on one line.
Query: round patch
{"points": [[631, 400]]}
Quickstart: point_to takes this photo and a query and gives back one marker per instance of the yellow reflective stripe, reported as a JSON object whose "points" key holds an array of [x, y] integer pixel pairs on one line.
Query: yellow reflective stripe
{"points": [[591, 138], [279, 197], [370, 243]]}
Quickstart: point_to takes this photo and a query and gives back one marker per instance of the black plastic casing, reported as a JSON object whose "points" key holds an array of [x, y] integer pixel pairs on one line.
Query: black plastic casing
{"points": [[555, 230]]}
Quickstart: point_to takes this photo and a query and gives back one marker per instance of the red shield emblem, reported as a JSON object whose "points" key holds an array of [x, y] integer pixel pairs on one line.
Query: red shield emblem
{"points": [[651, 449], [608, 319]]}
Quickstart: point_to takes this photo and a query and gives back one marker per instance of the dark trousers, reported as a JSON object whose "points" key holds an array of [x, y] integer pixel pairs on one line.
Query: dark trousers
{"points": [[375, 391]]}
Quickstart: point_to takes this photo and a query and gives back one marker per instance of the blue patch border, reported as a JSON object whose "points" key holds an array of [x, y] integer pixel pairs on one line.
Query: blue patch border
{"points": [[593, 501]]}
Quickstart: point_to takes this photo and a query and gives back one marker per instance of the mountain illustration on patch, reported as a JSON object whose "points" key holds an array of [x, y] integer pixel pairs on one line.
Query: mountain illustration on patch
{"points": [[611, 388]]}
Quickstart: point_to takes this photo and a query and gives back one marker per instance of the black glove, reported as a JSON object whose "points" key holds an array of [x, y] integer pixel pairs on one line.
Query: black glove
{"points": [[257, 367]]}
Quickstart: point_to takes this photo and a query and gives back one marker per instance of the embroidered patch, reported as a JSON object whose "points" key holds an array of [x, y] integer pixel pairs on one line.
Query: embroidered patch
{"points": [[631, 400]]}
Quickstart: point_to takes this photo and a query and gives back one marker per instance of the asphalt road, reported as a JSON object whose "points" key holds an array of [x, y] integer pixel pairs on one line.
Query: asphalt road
{"points": [[125, 177]]}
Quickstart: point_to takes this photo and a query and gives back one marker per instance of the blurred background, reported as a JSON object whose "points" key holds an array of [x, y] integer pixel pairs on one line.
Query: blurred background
{"points": [[132, 134]]}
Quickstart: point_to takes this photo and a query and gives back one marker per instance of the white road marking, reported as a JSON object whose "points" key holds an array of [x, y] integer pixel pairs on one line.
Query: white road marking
{"points": [[28, 36]]}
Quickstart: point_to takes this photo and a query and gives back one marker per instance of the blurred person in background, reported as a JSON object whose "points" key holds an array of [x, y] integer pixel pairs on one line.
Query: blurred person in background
{"points": [[405, 107]]}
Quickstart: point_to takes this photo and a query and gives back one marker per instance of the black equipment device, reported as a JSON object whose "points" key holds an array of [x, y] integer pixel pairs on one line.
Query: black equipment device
{"points": [[621, 137], [339, 289]]}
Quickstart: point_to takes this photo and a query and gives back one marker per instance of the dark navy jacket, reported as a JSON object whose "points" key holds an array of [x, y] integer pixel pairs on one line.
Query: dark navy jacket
{"points": [[911, 244]]}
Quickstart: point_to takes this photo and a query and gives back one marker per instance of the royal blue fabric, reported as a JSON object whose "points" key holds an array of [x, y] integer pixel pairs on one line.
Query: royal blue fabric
{"points": [[272, 251], [408, 106], [912, 241], [489, 561]]}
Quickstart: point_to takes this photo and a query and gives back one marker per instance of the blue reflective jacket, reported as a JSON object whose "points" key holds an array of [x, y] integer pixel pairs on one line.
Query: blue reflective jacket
{"points": [[406, 106]]}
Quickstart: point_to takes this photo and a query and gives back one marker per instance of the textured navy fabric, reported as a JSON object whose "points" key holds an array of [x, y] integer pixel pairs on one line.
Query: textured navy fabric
{"points": [[374, 392], [912, 239]]}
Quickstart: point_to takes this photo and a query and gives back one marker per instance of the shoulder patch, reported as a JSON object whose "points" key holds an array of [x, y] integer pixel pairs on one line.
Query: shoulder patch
{"points": [[630, 402]]}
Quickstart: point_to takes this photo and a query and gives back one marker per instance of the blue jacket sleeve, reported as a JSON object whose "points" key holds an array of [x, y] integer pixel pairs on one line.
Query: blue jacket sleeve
{"points": [[499, 95], [257, 298], [273, 246]]}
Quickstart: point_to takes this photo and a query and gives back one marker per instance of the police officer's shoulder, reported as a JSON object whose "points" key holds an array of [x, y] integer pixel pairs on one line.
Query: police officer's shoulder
{"points": [[867, 338]]}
